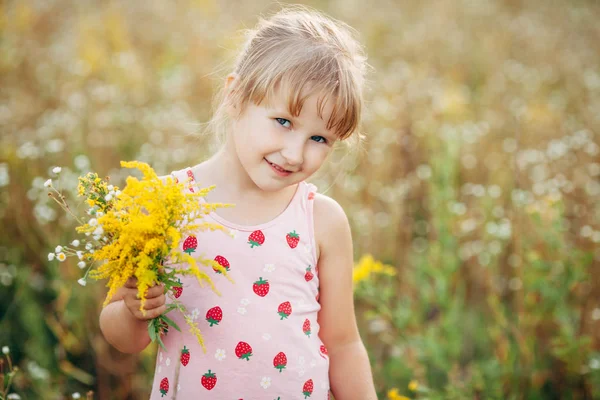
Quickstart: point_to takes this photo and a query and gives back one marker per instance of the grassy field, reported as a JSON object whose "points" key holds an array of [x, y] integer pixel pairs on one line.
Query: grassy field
{"points": [[476, 191]]}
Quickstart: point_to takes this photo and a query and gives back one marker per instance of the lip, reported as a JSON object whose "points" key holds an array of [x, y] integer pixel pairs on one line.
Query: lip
{"points": [[277, 169]]}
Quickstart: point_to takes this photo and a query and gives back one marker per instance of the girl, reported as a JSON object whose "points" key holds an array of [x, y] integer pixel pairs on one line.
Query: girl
{"points": [[286, 328]]}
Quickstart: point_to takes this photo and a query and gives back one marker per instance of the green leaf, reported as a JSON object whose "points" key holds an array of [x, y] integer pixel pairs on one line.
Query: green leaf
{"points": [[152, 330], [170, 322], [161, 343]]}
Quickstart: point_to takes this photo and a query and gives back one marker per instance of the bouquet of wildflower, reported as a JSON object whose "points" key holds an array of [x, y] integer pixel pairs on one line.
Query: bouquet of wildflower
{"points": [[135, 232]]}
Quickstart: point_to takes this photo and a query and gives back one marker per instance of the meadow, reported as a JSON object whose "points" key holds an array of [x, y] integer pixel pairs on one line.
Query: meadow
{"points": [[473, 200]]}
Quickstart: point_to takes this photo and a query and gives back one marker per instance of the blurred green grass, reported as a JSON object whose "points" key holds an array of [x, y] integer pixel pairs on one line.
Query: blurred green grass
{"points": [[479, 182]]}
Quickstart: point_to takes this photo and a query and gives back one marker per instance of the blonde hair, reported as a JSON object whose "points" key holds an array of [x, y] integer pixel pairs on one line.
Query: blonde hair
{"points": [[302, 52]]}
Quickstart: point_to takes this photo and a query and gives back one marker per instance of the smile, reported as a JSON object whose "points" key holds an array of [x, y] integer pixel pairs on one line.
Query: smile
{"points": [[280, 171]]}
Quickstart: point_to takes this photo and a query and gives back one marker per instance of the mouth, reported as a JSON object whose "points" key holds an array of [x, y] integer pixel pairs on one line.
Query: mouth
{"points": [[280, 171]]}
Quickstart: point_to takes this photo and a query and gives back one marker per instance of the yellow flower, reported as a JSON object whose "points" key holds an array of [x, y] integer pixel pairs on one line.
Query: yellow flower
{"points": [[145, 224], [413, 386], [367, 266], [393, 394]]}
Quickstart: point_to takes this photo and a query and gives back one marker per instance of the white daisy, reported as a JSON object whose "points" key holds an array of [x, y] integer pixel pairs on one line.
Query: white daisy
{"points": [[244, 302], [58, 249], [301, 372], [233, 233], [220, 354], [242, 310], [99, 231], [51, 256], [313, 362], [265, 382], [48, 183], [266, 337], [89, 246], [80, 254], [81, 264], [195, 314], [108, 197], [75, 243], [160, 356], [269, 268], [93, 222], [61, 257], [57, 170], [159, 368], [5, 350], [168, 361], [82, 282], [110, 188], [76, 395]]}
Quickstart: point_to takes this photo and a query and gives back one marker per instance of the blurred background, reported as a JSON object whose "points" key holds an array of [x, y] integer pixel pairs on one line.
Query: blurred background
{"points": [[474, 201]]}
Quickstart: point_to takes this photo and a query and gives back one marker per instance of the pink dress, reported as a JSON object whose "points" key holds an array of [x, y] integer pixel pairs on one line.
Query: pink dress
{"points": [[261, 334]]}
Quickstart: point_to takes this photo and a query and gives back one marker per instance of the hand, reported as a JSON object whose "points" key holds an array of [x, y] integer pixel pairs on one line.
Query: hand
{"points": [[155, 300]]}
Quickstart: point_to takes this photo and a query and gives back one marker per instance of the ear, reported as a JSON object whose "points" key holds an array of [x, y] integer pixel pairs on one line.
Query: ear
{"points": [[231, 83]]}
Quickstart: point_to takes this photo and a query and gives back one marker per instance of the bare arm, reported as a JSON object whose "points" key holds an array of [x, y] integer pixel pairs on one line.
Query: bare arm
{"points": [[339, 332], [123, 324]]}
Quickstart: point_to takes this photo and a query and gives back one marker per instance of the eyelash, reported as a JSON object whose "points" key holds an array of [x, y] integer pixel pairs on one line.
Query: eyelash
{"points": [[279, 121]]}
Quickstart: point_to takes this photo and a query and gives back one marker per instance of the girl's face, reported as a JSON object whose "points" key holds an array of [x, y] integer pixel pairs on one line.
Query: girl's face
{"points": [[277, 149]]}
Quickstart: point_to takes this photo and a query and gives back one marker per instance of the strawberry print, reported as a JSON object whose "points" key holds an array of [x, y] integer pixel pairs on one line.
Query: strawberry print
{"points": [[306, 327], [222, 261], [280, 361], [191, 179], [256, 238], [308, 388], [209, 380], [261, 287], [311, 195], [190, 244], [214, 315], [178, 290], [164, 387], [185, 356], [308, 275], [323, 349], [243, 351], [292, 239], [284, 309]]}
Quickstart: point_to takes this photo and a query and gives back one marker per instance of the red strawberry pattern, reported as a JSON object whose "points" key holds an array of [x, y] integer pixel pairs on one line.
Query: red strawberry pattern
{"points": [[209, 380], [191, 179], [243, 351], [256, 239], [222, 261], [292, 239], [261, 287], [307, 389], [214, 315], [190, 244], [280, 361], [178, 290], [164, 387], [311, 195], [284, 309], [308, 275], [185, 356], [323, 351], [306, 327]]}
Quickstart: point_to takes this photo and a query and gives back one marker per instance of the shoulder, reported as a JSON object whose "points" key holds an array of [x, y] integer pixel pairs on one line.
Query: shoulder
{"points": [[330, 223]]}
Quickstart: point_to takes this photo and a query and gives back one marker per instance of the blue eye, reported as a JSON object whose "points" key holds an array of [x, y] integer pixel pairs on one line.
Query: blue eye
{"points": [[283, 121], [319, 139]]}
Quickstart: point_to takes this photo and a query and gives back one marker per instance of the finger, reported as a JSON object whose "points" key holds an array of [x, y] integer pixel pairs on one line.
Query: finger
{"points": [[150, 314], [131, 283], [155, 291], [154, 302]]}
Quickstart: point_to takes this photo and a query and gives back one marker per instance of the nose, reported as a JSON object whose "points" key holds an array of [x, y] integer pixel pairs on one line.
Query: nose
{"points": [[293, 152]]}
